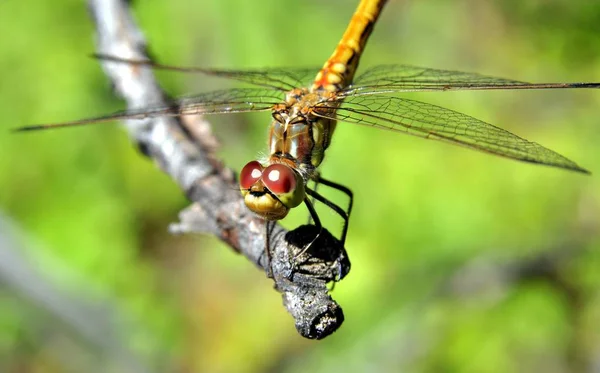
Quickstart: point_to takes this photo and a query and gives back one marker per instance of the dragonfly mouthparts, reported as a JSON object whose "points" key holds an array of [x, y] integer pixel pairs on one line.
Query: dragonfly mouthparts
{"points": [[258, 193]]}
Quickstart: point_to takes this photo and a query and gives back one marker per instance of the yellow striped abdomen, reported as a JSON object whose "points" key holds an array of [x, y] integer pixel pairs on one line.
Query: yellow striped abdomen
{"points": [[339, 69]]}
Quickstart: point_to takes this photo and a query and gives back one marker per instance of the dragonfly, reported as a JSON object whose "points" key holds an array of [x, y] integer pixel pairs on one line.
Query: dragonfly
{"points": [[306, 105]]}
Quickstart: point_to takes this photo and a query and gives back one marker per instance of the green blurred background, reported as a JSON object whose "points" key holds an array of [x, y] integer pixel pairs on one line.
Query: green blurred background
{"points": [[462, 262]]}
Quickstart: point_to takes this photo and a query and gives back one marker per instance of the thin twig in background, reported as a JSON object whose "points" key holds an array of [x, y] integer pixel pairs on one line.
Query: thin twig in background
{"points": [[57, 316], [183, 148]]}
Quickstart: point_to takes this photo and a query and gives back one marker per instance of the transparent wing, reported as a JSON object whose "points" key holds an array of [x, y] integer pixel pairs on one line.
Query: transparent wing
{"points": [[434, 122], [406, 78], [236, 100], [276, 78]]}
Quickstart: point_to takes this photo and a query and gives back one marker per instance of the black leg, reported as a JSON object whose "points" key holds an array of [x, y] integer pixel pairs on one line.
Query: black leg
{"points": [[344, 214], [315, 218], [269, 226], [341, 188], [312, 200], [312, 195], [311, 208]]}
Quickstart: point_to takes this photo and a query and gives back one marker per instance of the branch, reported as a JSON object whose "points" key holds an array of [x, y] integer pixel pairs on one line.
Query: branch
{"points": [[183, 148]]}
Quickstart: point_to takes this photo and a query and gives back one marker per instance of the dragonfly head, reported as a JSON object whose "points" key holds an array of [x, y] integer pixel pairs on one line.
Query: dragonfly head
{"points": [[271, 191]]}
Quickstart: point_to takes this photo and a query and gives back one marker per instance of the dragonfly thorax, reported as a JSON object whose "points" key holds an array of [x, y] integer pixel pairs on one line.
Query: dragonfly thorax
{"points": [[302, 129]]}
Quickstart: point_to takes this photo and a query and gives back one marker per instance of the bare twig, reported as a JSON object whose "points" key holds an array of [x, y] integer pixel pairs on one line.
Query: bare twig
{"points": [[183, 147]]}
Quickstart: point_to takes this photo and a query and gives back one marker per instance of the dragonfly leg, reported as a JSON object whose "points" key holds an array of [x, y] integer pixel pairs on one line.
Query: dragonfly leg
{"points": [[315, 218], [344, 214], [312, 199], [269, 226], [315, 196], [311, 209]]}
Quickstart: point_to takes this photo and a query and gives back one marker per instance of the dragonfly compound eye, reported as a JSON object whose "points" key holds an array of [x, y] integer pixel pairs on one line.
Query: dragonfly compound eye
{"points": [[250, 174], [284, 183]]}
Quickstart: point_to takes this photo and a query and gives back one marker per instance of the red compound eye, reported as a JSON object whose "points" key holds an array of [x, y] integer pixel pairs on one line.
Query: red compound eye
{"points": [[280, 179], [250, 174]]}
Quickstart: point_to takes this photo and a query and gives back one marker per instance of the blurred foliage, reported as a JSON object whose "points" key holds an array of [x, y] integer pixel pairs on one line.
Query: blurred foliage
{"points": [[426, 214]]}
